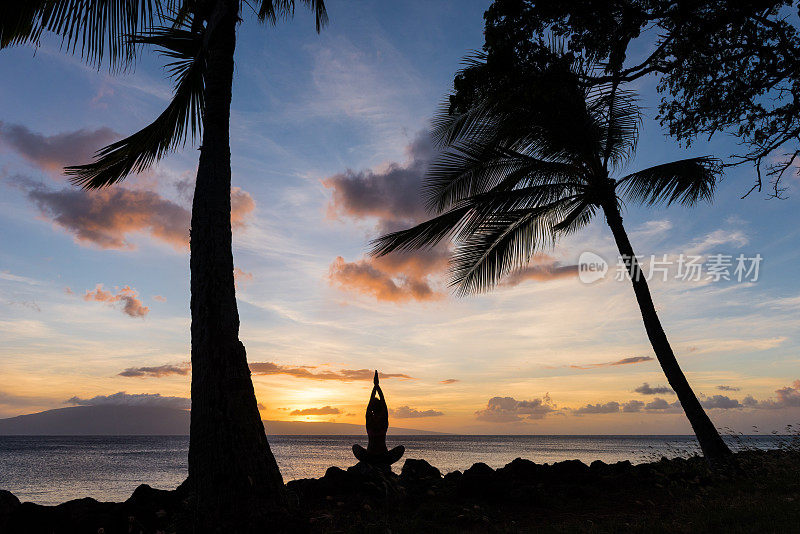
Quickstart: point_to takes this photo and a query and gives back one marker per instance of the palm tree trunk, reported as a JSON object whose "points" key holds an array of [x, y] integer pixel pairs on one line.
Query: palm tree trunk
{"points": [[711, 443], [233, 476]]}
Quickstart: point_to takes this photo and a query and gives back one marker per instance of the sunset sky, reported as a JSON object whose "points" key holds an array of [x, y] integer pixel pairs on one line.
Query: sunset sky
{"points": [[329, 149]]}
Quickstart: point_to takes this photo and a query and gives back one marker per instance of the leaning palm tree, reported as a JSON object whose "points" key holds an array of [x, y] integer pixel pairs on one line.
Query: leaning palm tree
{"points": [[520, 168], [233, 476]]}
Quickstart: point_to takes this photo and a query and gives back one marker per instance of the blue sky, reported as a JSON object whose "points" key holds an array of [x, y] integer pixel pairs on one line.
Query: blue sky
{"points": [[328, 147]]}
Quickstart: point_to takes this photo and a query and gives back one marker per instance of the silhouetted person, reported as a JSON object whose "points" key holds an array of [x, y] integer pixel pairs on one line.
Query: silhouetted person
{"points": [[377, 417]]}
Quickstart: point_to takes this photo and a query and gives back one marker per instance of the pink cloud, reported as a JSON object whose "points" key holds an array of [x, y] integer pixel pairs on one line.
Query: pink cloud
{"points": [[127, 296]]}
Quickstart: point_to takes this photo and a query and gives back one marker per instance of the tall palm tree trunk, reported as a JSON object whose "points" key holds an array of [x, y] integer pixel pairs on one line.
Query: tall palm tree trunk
{"points": [[232, 472], [711, 443]]}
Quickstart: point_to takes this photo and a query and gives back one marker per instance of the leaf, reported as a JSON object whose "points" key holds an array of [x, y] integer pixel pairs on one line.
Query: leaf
{"points": [[182, 118], [685, 181], [97, 29]]}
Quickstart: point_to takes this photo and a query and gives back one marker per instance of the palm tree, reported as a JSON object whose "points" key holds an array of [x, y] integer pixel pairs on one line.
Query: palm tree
{"points": [[233, 476], [519, 169]]}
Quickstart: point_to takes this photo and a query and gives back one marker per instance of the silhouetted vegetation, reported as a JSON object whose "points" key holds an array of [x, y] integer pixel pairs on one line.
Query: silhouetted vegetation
{"points": [[721, 66]]}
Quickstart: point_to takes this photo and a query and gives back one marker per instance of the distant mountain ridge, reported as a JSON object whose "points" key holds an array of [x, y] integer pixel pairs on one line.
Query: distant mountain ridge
{"points": [[124, 420]]}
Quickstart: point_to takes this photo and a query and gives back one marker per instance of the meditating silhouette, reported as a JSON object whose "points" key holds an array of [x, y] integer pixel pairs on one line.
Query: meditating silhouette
{"points": [[377, 417]]}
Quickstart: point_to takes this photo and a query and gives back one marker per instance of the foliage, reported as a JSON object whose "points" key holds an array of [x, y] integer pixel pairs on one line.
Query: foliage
{"points": [[722, 66], [527, 160], [111, 31]]}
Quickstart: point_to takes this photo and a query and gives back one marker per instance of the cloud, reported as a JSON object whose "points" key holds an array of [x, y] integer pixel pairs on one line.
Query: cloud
{"points": [[159, 298], [392, 197], [608, 407], [106, 218], [645, 389], [659, 404], [158, 371], [405, 412], [242, 205], [387, 278], [449, 381], [720, 401], [508, 409], [325, 410], [241, 278], [346, 375], [542, 268], [623, 361], [133, 399], [787, 397], [53, 152], [716, 239], [131, 304], [728, 388], [790, 395], [633, 406]]}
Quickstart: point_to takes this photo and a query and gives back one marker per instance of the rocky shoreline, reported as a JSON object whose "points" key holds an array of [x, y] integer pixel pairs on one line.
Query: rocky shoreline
{"points": [[676, 495]]}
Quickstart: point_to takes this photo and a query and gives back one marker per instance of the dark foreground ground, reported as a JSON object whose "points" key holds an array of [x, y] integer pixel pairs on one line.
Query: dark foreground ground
{"points": [[760, 492]]}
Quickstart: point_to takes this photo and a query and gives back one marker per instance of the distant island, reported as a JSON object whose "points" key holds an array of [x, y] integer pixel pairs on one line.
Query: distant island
{"points": [[124, 420]]}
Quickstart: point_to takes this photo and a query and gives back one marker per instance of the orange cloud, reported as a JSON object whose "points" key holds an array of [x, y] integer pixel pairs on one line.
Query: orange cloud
{"points": [[131, 304], [240, 277], [107, 217], [304, 371], [449, 381], [393, 278], [541, 268], [242, 205], [393, 197], [623, 361]]}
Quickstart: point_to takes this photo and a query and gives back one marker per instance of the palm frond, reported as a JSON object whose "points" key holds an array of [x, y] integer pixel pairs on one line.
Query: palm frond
{"points": [[502, 243], [272, 10], [97, 29], [619, 117], [580, 215], [424, 235], [471, 168], [182, 118], [685, 181]]}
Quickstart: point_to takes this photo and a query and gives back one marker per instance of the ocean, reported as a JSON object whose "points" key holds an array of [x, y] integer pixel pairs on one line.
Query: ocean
{"points": [[51, 470]]}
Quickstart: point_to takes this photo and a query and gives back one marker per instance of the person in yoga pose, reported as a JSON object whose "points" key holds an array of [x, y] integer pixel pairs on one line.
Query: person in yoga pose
{"points": [[377, 418]]}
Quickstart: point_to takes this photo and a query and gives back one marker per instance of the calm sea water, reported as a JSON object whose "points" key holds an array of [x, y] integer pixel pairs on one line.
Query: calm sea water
{"points": [[50, 470]]}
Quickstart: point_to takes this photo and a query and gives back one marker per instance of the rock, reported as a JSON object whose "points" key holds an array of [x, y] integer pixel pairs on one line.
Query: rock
{"points": [[419, 471], [480, 481], [521, 471], [598, 465], [453, 477], [479, 469], [569, 468], [8, 504], [621, 468]]}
